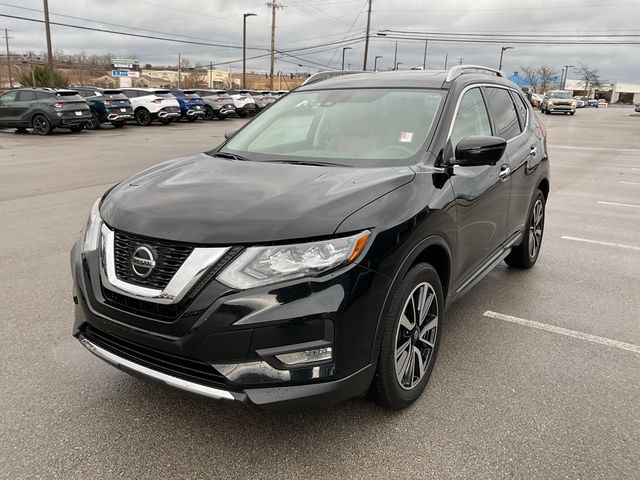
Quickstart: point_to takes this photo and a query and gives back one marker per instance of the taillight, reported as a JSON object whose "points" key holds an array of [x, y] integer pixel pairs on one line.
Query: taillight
{"points": [[221, 99], [107, 101], [242, 98], [58, 104], [157, 100]]}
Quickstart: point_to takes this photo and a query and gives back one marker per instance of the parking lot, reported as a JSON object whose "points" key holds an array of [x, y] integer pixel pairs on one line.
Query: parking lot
{"points": [[538, 374]]}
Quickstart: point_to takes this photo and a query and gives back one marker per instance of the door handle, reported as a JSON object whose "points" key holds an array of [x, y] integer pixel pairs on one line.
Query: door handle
{"points": [[505, 172], [533, 151]]}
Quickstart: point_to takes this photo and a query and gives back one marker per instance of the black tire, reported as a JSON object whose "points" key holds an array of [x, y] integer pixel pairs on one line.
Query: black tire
{"points": [[143, 117], [242, 114], [221, 116], [526, 254], [209, 114], [95, 123], [76, 128], [192, 119], [41, 125], [547, 112], [119, 124], [572, 113], [388, 386]]}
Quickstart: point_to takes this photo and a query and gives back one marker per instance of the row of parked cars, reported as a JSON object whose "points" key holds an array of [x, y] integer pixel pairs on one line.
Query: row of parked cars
{"points": [[44, 109], [563, 101]]}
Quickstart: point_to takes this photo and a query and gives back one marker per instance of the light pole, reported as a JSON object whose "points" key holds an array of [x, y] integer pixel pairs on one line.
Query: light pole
{"points": [[502, 50], [244, 46], [397, 65], [566, 73], [395, 56], [344, 49], [375, 62], [424, 59]]}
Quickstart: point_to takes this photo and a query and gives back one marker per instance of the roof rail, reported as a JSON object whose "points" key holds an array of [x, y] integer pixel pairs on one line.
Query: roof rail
{"points": [[455, 72]]}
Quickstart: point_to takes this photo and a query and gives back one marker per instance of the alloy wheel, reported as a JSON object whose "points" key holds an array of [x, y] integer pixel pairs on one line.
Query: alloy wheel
{"points": [[41, 125], [416, 335], [535, 228]]}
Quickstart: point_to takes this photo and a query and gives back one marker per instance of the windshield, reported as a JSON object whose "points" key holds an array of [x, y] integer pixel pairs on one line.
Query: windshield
{"points": [[351, 126], [559, 94]]}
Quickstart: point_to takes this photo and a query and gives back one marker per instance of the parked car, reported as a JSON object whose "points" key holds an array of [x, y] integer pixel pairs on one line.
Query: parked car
{"points": [[263, 98], [191, 105], [580, 103], [43, 110], [638, 108], [558, 101], [245, 104], [536, 100], [107, 105], [602, 103], [278, 93], [311, 257], [592, 102], [217, 103], [151, 104]]}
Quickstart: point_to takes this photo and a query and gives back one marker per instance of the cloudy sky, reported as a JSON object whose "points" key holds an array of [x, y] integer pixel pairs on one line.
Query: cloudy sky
{"points": [[312, 33]]}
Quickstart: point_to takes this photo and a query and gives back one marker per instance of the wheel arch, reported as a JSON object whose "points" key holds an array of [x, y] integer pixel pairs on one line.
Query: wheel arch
{"points": [[434, 250], [543, 186]]}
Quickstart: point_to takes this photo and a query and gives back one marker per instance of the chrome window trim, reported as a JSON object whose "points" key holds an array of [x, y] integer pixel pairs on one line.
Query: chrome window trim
{"points": [[193, 268], [170, 380], [493, 85]]}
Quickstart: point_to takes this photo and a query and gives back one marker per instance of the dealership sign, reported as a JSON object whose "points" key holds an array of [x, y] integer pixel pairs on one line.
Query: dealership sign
{"points": [[125, 67]]}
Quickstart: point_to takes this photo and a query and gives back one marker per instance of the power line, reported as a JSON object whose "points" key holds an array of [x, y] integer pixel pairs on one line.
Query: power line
{"points": [[505, 35], [457, 39]]}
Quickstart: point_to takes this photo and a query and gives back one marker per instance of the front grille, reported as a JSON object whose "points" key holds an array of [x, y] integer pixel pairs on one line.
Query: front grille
{"points": [[170, 364], [169, 257], [163, 312]]}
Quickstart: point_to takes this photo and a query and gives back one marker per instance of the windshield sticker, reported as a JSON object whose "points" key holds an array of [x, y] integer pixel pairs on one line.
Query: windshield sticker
{"points": [[406, 137]]}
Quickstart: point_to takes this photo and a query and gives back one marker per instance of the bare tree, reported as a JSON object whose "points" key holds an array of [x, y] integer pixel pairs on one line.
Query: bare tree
{"points": [[546, 76], [589, 78], [531, 75]]}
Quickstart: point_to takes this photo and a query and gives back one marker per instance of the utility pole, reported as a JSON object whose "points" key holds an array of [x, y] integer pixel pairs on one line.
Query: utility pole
{"points": [[446, 61], [460, 62], [566, 73], [344, 49], [179, 69], [6, 39], [502, 50], [424, 59], [47, 28], [366, 41], [82, 69], [210, 74], [274, 5]]}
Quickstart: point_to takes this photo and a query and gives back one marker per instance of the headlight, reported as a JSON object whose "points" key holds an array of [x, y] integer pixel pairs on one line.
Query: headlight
{"points": [[91, 238], [264, 265]]}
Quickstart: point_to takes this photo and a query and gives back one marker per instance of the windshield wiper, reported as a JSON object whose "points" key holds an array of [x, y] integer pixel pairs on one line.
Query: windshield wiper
{"points": [[308, 162], [231, 156]]}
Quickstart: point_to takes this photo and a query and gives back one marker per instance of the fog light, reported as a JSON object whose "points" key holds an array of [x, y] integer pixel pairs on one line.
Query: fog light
{"points": [[308, 356]]}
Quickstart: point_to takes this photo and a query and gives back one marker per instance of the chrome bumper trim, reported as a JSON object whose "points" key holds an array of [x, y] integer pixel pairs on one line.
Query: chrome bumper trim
{"points": [[186, 277], [175, 382]]}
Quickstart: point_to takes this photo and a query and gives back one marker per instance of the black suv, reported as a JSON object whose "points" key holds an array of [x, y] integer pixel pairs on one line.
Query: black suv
{"points": [[43, 109], [311, 257], [107, 105]]}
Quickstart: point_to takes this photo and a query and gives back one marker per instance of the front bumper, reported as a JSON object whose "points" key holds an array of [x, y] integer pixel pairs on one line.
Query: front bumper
{"points": [[223, 344], [561, 108]]}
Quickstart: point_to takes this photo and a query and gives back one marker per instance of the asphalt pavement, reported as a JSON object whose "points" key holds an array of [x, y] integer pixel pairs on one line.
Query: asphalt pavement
{"points": [[538, 375]]}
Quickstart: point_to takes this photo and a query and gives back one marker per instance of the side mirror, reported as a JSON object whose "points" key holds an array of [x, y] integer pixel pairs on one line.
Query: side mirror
{"points": [[479, 150], [230, 133]]}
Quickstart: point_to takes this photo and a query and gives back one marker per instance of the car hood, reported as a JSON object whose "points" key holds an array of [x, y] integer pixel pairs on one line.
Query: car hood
{"points": [[206, 200]]}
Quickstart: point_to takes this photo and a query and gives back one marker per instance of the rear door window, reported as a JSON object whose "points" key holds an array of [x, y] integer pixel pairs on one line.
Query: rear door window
{"points": [[472, 117], [503, 111], [521, 109], [9, 96], [26, 96]]}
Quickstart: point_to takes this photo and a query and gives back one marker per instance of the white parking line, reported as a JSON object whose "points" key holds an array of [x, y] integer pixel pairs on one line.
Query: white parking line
{"points": [[603, 149], [636, 169], [619, 204], [630, 183], [598, 242], [564, 331]]}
